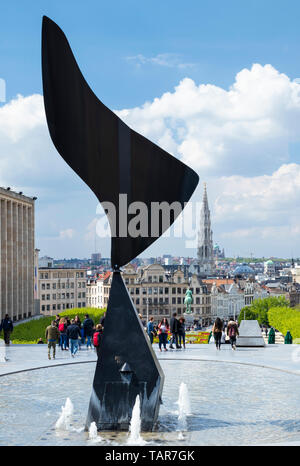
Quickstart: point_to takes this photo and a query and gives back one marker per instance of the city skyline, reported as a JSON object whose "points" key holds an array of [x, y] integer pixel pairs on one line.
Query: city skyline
{"points": [[224, 97]]}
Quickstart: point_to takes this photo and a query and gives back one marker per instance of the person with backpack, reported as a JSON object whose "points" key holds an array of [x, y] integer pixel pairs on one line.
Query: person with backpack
{"points": [[232, 332], [73, 333], [7, 327], [62, 327], [217, 332], [88, 328], [97, 338]]}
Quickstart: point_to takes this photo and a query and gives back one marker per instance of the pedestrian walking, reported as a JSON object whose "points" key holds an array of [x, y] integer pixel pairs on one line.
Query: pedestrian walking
{"points": [[217, 332], [150, 329], [78, 323], [174, 331], [97, 337], [232, 332], [52, 335], [73, 333], [181, 332], [88, 328], [163, 329], [62, 327], [7, 327]]}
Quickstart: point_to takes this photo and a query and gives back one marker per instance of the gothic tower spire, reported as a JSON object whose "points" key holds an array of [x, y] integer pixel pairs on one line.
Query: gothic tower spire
{"points": [[205, 239]]}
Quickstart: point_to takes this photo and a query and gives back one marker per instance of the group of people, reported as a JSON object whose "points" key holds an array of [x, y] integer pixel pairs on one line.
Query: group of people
{"points": [[71, 334], [176, 328], [231, 332]]}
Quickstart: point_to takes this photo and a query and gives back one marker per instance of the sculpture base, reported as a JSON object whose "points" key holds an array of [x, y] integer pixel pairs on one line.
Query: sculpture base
{"points": [[250, 334], [127, 367], [189, 320]]}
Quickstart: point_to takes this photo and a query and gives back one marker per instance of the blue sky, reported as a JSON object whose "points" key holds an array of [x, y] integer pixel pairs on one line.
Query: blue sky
{"points": [[132, 52], [220, 37]]}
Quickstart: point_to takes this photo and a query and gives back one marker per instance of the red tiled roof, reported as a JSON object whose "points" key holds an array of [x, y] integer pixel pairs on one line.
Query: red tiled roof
{"points": [[219, 281]]}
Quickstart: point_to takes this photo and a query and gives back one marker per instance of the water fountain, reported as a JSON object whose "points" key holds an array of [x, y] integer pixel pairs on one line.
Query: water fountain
{"points": [[184, 409], [64, 420], [135, 425], [93, 434]]}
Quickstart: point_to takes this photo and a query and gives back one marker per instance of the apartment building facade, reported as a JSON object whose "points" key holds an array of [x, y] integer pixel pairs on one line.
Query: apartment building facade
{"points": [[156, 292], [61, 289], [16, 255]]}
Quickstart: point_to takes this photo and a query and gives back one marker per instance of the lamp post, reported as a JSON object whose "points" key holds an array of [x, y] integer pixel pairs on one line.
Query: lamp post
{"points": [[147, 299]]}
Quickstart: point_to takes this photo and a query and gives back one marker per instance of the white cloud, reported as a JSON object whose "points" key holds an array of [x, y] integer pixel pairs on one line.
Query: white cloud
{"points": [[67, 234], [261, 199], [169, 60], [237, 139], [243, 130], [27, 155]]}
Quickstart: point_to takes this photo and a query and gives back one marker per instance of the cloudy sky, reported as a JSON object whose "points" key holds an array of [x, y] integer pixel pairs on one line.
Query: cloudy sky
{"points": [[217, 84]]}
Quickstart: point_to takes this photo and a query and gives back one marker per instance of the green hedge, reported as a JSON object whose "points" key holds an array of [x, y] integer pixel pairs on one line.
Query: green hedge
{"points": [[284, 319], [31, 331]]}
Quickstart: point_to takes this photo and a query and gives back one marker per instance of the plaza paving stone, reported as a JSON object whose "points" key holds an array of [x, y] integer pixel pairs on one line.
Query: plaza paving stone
{"points": [[280, 357]]}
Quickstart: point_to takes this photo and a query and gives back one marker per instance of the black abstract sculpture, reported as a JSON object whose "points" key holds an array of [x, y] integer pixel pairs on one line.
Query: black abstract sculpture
{"points": [[112, 159]]}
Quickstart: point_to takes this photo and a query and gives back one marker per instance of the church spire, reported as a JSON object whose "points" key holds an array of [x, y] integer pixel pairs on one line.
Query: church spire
{"points": [[205, 239]]}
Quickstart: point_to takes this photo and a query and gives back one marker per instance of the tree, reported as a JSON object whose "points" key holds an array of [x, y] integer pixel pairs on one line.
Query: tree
{"points": [[247, 313], [260, 307]]}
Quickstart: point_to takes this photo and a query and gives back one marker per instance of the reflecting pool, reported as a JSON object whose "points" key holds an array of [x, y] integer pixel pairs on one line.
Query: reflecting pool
{"points": [[230, 404]]}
